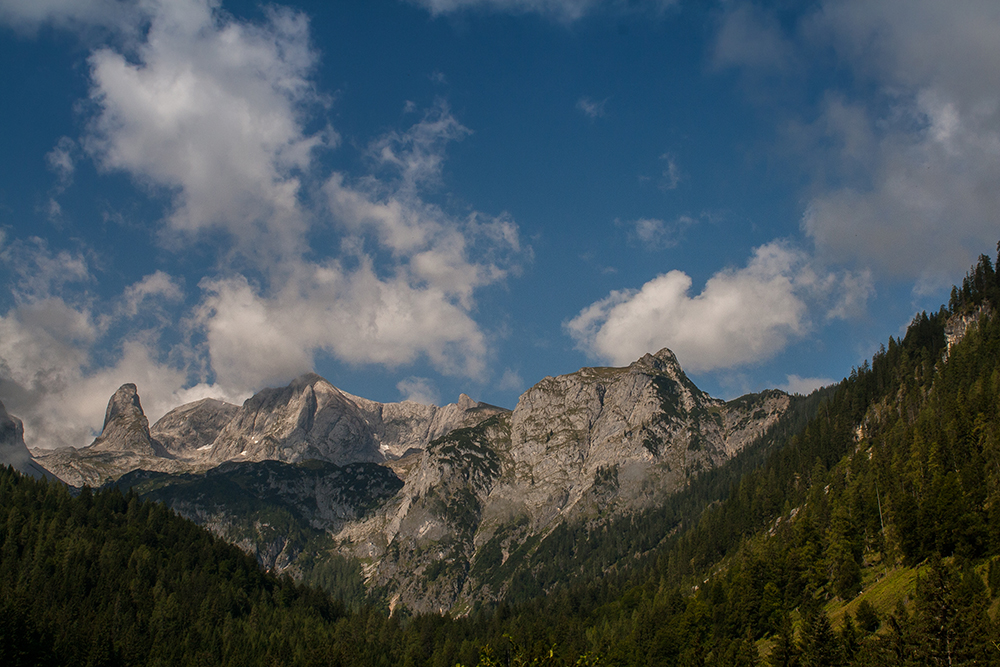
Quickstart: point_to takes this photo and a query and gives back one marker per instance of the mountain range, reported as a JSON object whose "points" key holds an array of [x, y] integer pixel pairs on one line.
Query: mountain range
{"points": [[425, 503]]}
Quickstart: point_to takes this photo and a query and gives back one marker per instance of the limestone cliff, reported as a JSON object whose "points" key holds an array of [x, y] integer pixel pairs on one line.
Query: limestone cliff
{"points": [[193, 427], [312, 419]]}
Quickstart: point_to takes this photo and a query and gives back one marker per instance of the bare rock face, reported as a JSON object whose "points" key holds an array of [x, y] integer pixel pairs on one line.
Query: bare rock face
{"points": [[193, 427], [126, 428], [125, 444], [598, 443], [13, 451], [644, 421], [312, 419], [308, 419]]}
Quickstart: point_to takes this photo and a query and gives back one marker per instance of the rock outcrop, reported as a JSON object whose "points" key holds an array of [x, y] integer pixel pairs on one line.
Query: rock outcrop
{"points": [[312, 419], [309, 419], [126, 428], [125, 444], [193, 427], [434, 501]]}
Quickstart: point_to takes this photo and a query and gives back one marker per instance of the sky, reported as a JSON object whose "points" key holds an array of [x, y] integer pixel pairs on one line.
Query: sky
{"points": [[418, 198]]}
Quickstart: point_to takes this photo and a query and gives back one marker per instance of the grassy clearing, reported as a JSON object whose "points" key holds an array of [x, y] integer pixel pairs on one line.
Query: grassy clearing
{"points": [[898, 584]]}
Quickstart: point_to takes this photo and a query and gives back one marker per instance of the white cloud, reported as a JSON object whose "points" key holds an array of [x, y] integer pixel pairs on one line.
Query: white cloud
{"points": [[511, 380], [39, 271], [354, 315], [50, 375], [567, 10], [154, 288], [211, 109], [742, 316], [61, 159], [905, 179], [419, 390], [73, 14], [418, 153], [804, 386], [672, 174]]}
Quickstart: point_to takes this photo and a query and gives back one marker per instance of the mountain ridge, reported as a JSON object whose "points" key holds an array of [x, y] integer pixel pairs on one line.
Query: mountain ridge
{"points": [[590, 445]]}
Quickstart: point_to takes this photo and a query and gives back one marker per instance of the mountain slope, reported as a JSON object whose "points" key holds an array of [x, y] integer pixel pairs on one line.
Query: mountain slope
{"points": [[882, 512]]}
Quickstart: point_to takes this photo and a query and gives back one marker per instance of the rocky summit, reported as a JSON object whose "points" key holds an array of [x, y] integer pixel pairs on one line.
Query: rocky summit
{"points": [[309, 419]]}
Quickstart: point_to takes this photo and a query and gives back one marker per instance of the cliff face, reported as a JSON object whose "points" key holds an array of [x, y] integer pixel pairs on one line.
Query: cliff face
{"points": [[193, 427], [312, 419], [308, 419], [125, 444], [126, 428]]}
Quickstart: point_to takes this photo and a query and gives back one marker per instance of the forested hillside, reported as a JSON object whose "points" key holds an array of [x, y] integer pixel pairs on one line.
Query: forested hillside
{"points": [[891, 491], [865, 530]]}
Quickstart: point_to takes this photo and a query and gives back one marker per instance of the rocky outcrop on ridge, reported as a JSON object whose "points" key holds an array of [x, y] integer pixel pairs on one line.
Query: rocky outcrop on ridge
{"points": [[125, 444], [126, 428], [312, 419], [307, 419], [432, 500], [193, 427], [13, 451]]}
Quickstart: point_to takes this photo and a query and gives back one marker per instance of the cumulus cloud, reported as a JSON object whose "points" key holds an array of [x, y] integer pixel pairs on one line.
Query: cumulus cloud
{"points": [[210, 109], [419, 390], [48, 380], [742, 316], [511, 380], [154, 288], [52, 339], [904, 181], [750, 37], [74, 14], [39, 271]]}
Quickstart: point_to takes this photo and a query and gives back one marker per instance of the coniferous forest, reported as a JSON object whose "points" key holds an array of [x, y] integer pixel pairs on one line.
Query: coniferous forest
{"points": [[865, 530]]}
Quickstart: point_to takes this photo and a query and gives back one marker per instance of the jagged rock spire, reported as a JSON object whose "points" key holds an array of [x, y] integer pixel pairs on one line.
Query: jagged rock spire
{"points": [[126, 428]]}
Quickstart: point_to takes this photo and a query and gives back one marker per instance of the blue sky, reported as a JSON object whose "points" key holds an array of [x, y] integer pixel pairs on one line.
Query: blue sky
{"points": [[426, 197]]}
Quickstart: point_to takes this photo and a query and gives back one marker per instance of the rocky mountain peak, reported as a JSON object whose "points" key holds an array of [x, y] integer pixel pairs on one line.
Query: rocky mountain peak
{"points": [[126, 428], [465, 402], [124, 404], [663, 361]]}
